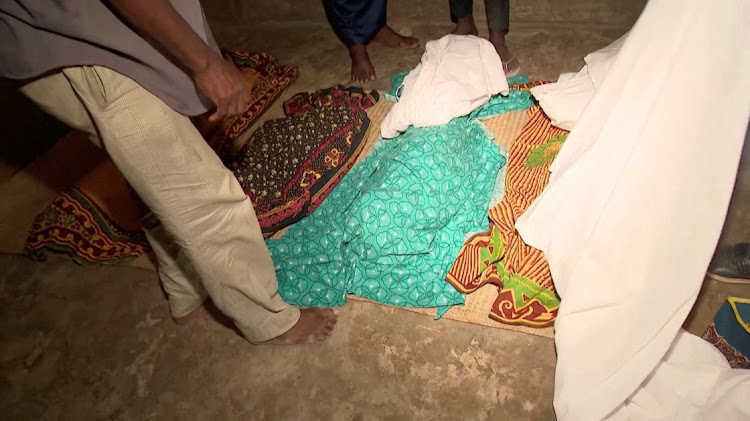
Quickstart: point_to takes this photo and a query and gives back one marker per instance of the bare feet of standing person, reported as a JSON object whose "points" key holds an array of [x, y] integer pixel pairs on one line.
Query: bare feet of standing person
{"points": [[314, 325], [359, 22], [390, 38], [362, 69], [498, 16], [497, 38], [465, 26]]}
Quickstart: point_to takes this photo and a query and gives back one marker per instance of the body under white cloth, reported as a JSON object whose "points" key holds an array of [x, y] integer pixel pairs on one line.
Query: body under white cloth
{"points": [[632, 214]]}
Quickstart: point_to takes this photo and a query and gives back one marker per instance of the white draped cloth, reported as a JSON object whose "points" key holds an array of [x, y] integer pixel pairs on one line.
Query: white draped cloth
{"points": [[565, 100], [457, 74], [632, 213]]}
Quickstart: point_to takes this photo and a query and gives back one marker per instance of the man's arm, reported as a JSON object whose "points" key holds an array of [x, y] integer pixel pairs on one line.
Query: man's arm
{"points": [[160, 22]]}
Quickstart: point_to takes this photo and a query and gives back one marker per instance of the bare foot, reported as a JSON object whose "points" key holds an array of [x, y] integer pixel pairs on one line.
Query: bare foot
{"points": [[465, 26], [314, 325], [390, 38], [497, 38], [362, 69], [511, 66]]}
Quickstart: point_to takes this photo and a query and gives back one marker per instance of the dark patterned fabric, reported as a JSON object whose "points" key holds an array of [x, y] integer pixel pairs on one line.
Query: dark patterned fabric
{"points": [[72, 224], [265, 79], [289, 166], [95, 222], [305, 102]]}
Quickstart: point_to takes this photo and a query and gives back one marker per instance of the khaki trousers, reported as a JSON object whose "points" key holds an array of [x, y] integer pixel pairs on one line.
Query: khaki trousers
{"points": [[202, 227]]}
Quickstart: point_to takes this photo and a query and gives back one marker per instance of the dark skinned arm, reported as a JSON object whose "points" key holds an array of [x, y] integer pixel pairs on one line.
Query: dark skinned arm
{"points": [[160, 22]]}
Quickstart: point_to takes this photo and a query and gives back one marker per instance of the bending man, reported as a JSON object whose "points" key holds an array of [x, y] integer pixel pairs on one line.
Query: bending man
{"points": [[130, 72]]}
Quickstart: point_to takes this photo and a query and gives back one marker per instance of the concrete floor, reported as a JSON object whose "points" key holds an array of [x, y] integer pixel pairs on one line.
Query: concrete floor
{"points": [[99, 344]]}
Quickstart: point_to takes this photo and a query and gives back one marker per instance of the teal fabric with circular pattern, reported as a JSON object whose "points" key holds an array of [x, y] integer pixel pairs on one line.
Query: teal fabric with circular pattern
{"points": [[392, 228]]}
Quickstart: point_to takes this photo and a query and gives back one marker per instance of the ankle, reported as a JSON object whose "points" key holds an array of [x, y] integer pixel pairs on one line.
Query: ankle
{"points": [[357, 51], [465, 25], [497, 37]]}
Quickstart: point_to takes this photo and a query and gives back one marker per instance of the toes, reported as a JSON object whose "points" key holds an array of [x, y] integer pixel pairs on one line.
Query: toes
{"points": [[324, 332], [410, 43], [361, 77]]}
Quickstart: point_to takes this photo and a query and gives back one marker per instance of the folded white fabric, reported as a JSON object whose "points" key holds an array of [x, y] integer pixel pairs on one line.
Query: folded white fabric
{"points": [[565, 100], [457, 74]]}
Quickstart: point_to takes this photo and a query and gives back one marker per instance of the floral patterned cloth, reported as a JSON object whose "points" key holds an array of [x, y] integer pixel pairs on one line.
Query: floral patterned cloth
{"points": [[94, 222], [526, 294], [290, 165], [265, 79], [391, 229]]}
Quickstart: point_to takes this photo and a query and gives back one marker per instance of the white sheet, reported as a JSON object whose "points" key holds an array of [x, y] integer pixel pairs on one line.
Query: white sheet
{"points": [[457, 74], [635, 204], [693, 381], [565, 100]]}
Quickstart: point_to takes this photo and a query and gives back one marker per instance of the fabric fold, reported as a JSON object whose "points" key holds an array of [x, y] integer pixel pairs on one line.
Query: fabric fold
{"points": [[457, 74], [392, 228], [635, 205]]}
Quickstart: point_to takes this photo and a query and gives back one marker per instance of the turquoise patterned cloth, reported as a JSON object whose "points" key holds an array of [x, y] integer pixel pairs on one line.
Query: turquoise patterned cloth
{"points": [[518, 80], [397, 81], [394, 225]]}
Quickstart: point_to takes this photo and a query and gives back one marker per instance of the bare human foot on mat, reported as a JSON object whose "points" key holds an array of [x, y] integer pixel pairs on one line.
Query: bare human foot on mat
{"points": [[465, 26], [314, 325], [362, 69], [390, 38]]}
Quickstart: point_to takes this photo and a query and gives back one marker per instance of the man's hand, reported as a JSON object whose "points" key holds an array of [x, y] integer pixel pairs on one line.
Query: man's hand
{"points": [[224, 86], [158, 20]]}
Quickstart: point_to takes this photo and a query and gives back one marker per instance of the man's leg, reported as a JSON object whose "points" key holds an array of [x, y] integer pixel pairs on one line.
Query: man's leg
{"points": [[197, 199], [182, 284], [55, 95], [359, 22], [498, 21], [463, 12], [385, 35], [498, 15], [157, 150]]}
